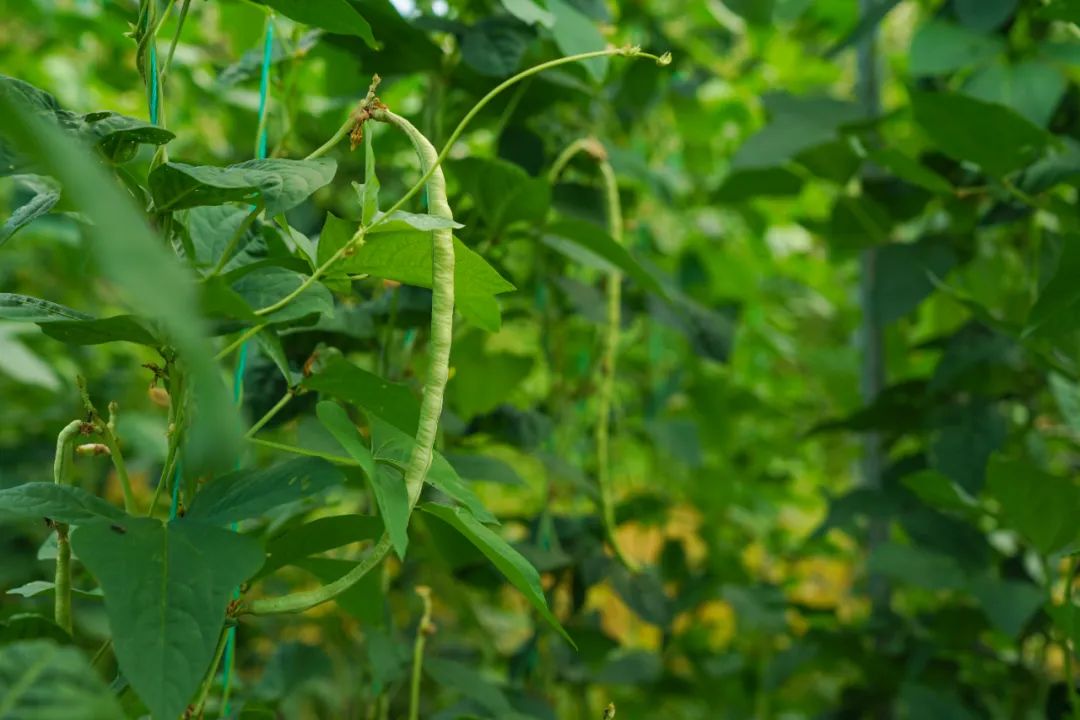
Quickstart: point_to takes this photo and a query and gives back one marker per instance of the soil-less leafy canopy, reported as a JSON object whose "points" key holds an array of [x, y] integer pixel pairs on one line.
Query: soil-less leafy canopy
{"points": [[484, 360]]}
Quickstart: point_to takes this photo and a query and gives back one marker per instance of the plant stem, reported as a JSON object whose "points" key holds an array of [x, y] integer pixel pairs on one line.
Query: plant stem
{"points": [[208, 681], [422, 631], [270, 414], [340, 134], [175, 39], [240, 340], [241, 229], [62, 579], [301, 601], [336, 459], [609, 359], [113, 443]]}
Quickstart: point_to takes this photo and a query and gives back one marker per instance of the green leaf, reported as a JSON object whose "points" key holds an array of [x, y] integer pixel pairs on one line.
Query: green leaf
{"points": [[39, 680], [908, 282], [121, 328], [334, 235], [868, 22], [482, 468], [336, 16], [396, 251], [211, 229], [31, 309], [937, 490], [281, 184], [166, 588], [911, 170], [961, 449], [392, 402], [1009, 604], [984, 15], [503, 192], [388, 484], [461, 678], [334, 418], [116, 136], [574, 33], [529, 12], [916, 566], [392, 498], [506, 559], [483, 380], [62, 503], [1055, 310], [391, 446], [1031, 88], [599, 244], [44, 198], [39, 587], [940, 47], [250, 493], [990, 136], [494, 46], [1063, 10], [743, 185], [795, 124], [318, 536], [1040, 506], [147, 275], [265, 286]]}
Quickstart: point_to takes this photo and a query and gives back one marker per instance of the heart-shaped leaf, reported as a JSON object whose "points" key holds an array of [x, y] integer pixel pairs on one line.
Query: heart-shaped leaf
{"points": [[166, 589]]}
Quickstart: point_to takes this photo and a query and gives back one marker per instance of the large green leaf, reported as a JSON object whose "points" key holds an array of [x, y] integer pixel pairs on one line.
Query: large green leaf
{"points": [[391, 446], [1009, 604], [265, 286], [795, 124], [392, 402], [115, 136], [1056, 309], [388, 483], [1038, 505], [509, 561], [596, 242], [988, 135], [941, 47], [529, 12], [249, 493], [575, 33], [166, 589], [337, 16], [40, 680], [494, 46], [318, 536], [909, 278], [281, 184], [62, 503], [1031, 88], [68, 325], [148, 275], [984, 15], [398, 251], [503, 193]]}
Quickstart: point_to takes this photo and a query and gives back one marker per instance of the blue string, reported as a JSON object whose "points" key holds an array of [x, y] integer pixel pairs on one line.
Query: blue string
{"points": [[264, 88], [153, 84], [241, 362]]}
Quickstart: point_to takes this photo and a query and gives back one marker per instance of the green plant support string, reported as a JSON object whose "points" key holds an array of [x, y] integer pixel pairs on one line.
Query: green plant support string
{"points": [[241, 362]]}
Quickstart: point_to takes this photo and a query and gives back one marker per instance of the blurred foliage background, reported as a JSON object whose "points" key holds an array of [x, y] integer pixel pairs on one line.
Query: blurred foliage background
{"points": [[823, 535]]}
